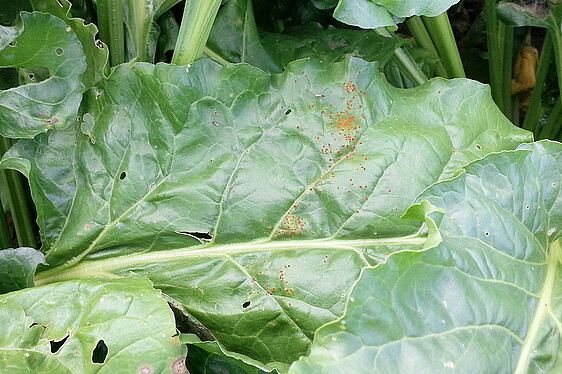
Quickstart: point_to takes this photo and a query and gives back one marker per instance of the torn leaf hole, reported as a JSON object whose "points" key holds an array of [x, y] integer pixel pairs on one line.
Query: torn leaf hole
{"points": [[123, 175], [31, 77], [288, 111], [56, 345], [99, 353], [246, 304], [12, 44], [201, 236]]}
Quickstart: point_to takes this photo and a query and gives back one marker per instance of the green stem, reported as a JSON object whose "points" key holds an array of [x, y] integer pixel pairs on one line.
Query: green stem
{"points": [[557, 43], [441, 34], [112, 33], [494, 51], [420, 34], [139, 29], [5, 238], [17, 202], [197, 21], [552, 126], [507, 63], [406, 63], [534, 112], [215, 56]]}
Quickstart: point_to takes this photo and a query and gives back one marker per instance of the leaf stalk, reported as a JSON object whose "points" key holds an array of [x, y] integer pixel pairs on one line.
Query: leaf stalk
{"points": [[441, 34], [197, 21], [17, 202]]}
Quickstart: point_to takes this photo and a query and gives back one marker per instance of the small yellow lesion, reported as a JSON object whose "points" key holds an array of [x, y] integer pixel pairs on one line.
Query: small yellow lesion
{"points": [[524, 70]]}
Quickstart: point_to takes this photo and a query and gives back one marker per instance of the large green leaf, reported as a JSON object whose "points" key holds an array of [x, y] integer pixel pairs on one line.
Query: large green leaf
{"points": [[370, 14], [46, 46], [89, 326], [485, 300], [95, 51], [330, 45], [253, 200], [234, 38]]}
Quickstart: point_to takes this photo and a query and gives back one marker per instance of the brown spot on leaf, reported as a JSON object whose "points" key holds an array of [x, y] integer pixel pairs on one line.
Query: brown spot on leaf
{"points": [[178, 366], [146, 369]]}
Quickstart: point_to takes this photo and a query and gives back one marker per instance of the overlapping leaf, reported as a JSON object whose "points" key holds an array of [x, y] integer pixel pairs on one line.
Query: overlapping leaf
{"points": [[95, 51], [17, 268], [487, 299], [370, 14], [207, 357], [47, 47], [252, 200], [235, 38], [89, 326]]}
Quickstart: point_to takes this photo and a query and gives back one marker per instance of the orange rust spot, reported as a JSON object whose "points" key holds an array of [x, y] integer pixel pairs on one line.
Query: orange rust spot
{"points": [[292, 225], [350, 87], [347, 125]]}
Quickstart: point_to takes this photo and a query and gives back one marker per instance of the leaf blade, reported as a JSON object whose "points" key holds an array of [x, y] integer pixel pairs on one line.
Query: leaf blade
{"points": [[80, 314], [37, 42], [454, 299]]}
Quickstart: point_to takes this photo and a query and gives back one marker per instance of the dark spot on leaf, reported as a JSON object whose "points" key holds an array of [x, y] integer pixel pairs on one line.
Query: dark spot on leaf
{"points": [[123, 175], [288, 112], [246, 304], [479, 147], [99, 353], [178, 366], [486, 233], [13, 44], [59, 51], [56, 345]]}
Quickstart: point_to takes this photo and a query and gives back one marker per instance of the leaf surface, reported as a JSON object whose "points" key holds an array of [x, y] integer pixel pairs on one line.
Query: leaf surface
{"points": [[370, 14], [45, 45], [17, 268], [63, 328], [207, 356], [96, 52], [254, 200], [486, 299], [235, 38]]}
